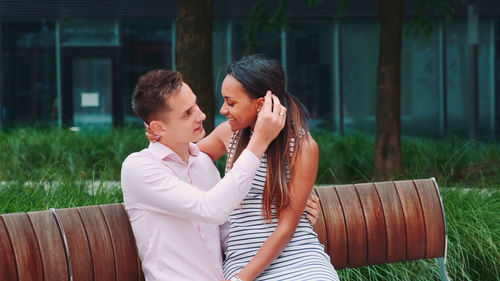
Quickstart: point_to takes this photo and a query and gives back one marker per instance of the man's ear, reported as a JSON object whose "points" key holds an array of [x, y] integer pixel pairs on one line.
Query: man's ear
{"points": [[156, 127]]}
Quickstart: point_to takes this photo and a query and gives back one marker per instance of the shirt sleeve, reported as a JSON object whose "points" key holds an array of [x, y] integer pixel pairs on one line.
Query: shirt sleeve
{"points": [[147, 186]]}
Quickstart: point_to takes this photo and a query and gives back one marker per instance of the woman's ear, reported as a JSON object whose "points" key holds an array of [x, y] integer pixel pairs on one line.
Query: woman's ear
{"points": [[260, 103]]}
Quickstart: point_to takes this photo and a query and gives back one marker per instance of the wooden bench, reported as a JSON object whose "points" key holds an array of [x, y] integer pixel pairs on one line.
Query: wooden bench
{"points": [[362, 224]]}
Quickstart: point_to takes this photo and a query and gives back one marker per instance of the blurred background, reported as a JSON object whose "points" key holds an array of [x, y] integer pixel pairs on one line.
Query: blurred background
{"points": [[65, 62]]}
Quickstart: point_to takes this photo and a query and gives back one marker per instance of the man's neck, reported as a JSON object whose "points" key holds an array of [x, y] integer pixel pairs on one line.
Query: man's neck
{"points": [[181, 149]]}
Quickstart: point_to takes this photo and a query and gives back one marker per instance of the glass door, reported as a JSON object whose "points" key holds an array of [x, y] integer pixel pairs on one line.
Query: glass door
{"points": [[92, 90], [91, 87]]}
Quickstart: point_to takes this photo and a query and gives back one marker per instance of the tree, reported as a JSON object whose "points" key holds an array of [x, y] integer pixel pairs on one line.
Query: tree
{"points": [[194, 52], [388, 161]]}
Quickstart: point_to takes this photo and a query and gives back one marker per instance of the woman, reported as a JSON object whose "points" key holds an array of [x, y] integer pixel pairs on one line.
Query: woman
{"points": [[270, 237]]}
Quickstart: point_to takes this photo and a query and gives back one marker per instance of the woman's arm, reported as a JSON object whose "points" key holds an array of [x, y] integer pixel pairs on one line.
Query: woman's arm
{"points": [[302, 181], [217, 142]]}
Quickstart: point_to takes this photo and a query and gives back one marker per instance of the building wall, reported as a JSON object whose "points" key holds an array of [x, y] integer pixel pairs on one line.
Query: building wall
{"points": [[331, 65]]}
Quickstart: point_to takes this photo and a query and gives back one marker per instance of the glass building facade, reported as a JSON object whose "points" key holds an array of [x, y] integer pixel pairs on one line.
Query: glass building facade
{"points": [[81, 71], [28, 85]]}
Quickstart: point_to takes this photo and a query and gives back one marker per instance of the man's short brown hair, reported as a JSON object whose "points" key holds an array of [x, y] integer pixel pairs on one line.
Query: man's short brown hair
{"points": [[151, 92]]}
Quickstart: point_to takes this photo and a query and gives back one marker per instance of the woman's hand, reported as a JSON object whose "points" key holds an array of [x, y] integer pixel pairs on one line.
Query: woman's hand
{"points": [[152, 137], [270, 122], [271, 118]]}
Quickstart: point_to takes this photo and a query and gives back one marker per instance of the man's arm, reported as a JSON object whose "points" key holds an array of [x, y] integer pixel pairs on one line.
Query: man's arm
{"points": [[147, 185], [312, 208]]}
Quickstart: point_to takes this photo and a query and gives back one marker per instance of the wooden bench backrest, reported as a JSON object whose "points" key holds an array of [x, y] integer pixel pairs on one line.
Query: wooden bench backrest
{"points": [[96, 242], [376, 223], [362, 224]]}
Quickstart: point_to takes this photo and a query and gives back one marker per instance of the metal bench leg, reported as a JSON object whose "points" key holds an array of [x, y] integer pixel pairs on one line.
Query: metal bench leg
{"points": [[442, 270]]}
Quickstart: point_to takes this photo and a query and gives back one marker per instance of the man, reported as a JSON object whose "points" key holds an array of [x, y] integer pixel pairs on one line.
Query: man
{"points": [[173, 192]]}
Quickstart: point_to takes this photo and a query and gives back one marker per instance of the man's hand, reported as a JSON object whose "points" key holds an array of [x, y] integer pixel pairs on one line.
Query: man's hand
{"points": [[312, 208]]}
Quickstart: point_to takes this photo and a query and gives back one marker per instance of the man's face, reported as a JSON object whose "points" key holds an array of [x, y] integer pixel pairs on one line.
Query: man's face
{"points": [[185, 119]]}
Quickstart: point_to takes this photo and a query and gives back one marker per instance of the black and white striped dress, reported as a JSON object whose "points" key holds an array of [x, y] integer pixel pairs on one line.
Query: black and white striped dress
{"points": [[303, 258]]}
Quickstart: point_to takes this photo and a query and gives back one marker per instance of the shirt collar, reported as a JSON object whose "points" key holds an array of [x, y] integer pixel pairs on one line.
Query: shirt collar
{"points": [[164, 152]]}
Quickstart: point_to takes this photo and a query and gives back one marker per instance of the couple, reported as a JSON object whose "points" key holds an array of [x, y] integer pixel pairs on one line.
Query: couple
{"points": [[176, 199]]}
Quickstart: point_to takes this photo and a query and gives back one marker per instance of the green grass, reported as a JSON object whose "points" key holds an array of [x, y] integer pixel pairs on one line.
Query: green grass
{"points": [[41, 153], [17, 196], [43, 168], [452, 161]]}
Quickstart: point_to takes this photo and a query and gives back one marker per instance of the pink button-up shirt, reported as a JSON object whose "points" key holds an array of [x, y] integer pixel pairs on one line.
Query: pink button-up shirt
{"points": [[175, 209]]}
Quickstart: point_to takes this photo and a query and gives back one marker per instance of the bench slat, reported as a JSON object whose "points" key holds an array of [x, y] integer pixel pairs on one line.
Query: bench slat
{"points": [[7, 263], [414, 220], [335, 225], [51, 246], [123, 242], [433, 217], [356, 227], [375, 223], [78, 245], [24, 243], [99, 239], [394, 220]]}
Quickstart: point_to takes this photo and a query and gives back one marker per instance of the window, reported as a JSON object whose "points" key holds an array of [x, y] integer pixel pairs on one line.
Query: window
{"points": [[359, 54], [147, 45], [29, 89], [420, 94], [310, 69]]}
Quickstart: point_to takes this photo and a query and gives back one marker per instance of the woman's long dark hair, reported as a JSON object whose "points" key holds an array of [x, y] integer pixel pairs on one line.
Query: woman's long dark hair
{"points": [[258, 74]]}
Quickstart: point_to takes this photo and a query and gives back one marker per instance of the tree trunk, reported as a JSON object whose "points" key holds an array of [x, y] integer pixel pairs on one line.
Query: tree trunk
{"points": [[388, 161], [194, 52]]}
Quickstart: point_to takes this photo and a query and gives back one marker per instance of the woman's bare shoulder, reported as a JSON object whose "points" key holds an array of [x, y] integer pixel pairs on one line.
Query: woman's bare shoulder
{"points": [[307, 144]]}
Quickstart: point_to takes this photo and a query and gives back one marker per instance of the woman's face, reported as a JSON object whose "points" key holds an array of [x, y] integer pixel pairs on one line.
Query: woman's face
{"points": [[239, 108]]}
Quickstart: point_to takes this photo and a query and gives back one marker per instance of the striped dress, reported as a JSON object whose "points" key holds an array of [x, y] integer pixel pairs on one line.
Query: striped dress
{"points": [[303, 258]]}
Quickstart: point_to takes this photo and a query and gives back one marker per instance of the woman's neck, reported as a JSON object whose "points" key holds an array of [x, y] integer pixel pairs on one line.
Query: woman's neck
{"points": [[252, 126]]}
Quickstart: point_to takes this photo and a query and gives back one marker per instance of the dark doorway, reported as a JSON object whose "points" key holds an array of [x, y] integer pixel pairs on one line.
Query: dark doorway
{"points": [[91, 86]]}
